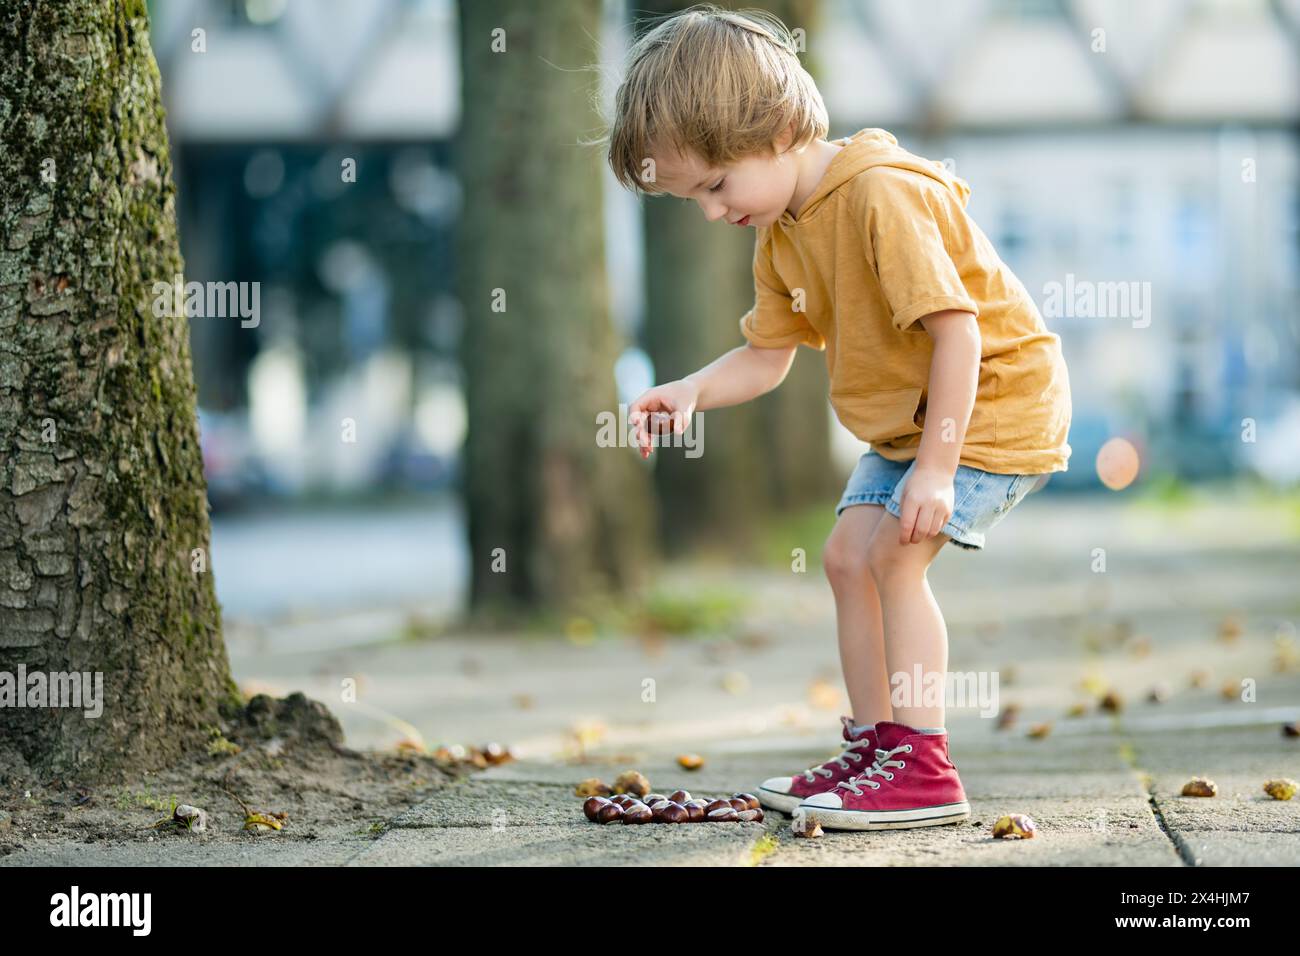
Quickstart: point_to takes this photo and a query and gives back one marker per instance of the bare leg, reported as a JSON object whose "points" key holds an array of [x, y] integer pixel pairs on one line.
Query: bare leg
{"points": [[914, 629], [857, 612]]}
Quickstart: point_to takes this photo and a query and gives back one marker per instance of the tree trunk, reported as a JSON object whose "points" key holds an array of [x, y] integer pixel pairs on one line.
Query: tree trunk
{"points": [[554, 518], [698, 283], [103, 510], [772, 454], [796, 416]]}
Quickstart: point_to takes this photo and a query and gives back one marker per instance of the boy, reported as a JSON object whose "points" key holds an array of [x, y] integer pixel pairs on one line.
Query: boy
{"points": [[937, 356]]}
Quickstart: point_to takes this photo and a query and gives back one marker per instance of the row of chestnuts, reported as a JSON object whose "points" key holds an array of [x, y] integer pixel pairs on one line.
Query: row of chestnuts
{"points": [[676, 807]]}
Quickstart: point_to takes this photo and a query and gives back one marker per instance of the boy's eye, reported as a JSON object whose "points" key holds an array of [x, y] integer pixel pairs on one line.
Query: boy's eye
{"points": [[719, 185]]}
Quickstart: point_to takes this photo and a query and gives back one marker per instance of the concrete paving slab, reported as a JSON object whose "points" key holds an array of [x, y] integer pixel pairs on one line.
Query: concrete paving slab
{"points": [[267, 849], [587, 844], [1242, 848], [966, 845]]}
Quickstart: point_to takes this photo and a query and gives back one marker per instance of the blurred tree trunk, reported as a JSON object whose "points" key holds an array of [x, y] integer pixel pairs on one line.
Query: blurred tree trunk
{"points": [[698, 283], [697, 278], [796, 416], [772, 454], [103, 509], [553, 517]]}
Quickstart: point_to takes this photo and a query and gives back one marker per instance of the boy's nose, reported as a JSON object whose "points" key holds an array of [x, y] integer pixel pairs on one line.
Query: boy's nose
{"points": [[713, 212]]}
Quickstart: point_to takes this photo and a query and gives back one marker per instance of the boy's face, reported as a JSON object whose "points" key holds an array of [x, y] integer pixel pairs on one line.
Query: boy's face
{"points": [[753, 191]]}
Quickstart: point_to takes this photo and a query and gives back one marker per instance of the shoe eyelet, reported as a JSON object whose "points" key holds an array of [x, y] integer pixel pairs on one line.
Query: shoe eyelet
{"points": [[902, 764], [909, 748], [890, 777]]}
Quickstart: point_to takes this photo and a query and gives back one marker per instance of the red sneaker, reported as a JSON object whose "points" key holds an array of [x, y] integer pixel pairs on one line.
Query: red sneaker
{"points": [[912, 783], [786, 793]]}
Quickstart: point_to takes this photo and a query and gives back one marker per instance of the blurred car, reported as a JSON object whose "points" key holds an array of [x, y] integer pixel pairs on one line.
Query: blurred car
{"points": [[230, 464]]}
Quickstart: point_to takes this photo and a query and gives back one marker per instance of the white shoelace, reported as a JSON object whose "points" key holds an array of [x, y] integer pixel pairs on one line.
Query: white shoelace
{"points": [[884, 758], [850, 752]]}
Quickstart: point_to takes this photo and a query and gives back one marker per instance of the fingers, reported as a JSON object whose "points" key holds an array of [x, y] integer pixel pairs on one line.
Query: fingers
{"points": [[639, 414], [637, 418], [656, 413], [918, 522], [907, 521]]}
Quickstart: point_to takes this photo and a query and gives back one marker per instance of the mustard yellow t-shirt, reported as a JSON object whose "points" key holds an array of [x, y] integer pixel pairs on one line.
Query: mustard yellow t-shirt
{"points": [[882, 241]]}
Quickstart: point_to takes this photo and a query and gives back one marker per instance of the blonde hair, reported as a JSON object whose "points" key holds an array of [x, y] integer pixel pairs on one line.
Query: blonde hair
{"points": [[719, 84]]}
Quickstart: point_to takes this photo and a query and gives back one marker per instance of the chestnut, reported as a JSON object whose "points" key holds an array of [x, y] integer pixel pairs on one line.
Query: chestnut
{"points": [[593, 787], [609, 813], [752, 800], [630, 781], [674, 813], [680, 796], [723, 814], [1014, 826], [593, 805], [638, 814], [717, 805], [751, 816]]}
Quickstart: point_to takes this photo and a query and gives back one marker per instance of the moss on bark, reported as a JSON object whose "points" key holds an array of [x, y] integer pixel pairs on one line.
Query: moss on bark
{"points": [[102, 494]]}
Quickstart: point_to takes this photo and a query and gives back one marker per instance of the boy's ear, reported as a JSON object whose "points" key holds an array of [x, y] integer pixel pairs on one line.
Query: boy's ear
{"points": [[785, 139]]}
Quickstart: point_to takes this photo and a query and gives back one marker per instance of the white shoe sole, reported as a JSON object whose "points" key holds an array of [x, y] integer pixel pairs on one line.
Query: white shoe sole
{"points": [[887, 819], [774, 800]]}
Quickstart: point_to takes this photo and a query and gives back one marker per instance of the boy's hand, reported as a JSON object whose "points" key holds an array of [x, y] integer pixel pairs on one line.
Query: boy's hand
{"points": [[926, 506], [664, 409]]}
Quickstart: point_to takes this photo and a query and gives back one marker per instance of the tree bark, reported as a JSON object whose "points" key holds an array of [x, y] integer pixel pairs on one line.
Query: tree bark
{"points": [[554, 518], [103, 509]]}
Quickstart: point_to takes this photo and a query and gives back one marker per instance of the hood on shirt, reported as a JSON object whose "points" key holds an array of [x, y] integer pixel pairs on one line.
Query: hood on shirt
{"points": [[878, 147]]}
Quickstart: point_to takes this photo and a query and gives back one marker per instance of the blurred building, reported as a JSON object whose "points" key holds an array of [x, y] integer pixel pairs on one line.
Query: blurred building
{"points": [[1152, 144], [311, 145], [1106, 142]]}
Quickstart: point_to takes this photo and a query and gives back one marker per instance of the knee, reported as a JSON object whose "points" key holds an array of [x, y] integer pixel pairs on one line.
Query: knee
{"points": [[886, 564], [845, 565]]}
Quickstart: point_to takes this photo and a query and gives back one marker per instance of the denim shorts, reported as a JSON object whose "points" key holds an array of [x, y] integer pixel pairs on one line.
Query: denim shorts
{"points": [[980, 498]]}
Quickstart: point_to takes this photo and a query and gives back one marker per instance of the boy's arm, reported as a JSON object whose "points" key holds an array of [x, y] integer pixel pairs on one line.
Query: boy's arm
{"points": [[744, 373], [954, 377], [739, 375]]}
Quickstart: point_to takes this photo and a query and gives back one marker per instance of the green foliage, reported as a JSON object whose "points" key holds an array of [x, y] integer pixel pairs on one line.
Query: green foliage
{"points": [[219, 746], [1164, 489], [806, 529], [125, 800], [682, 613], [673, 610], [764, 847]]}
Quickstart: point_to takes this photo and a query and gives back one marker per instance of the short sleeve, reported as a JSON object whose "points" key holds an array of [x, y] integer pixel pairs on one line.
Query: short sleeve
{"points": [[773, 322], [907, 228]]}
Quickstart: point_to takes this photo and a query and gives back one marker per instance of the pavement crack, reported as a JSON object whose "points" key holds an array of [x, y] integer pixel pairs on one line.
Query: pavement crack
{"points": [[1128, 754], [1180, 845]]}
